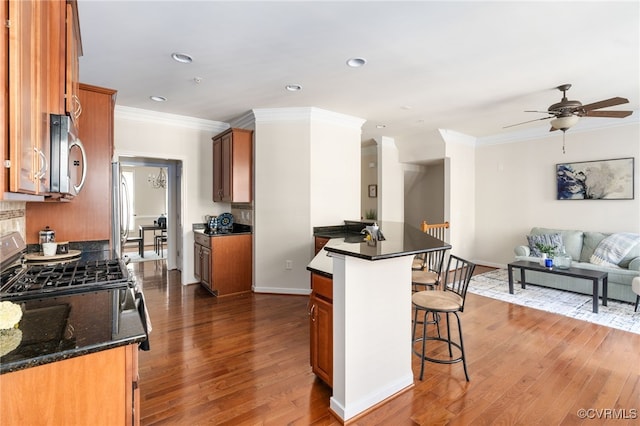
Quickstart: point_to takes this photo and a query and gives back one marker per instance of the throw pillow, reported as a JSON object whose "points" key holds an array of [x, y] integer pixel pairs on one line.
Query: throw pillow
{"points": [[546, 239], [614, 248]]}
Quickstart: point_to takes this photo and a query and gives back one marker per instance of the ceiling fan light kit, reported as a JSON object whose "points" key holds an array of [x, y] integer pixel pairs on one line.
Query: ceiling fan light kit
{"points": [[566, 113], [564, 123]]}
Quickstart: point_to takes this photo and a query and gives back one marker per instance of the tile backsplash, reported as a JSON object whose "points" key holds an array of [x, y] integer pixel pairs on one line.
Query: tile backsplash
{"points": [[12, 217]]}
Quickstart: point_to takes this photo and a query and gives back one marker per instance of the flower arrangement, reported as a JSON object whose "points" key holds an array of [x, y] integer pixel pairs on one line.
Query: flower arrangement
{"points": [[10, 315]]}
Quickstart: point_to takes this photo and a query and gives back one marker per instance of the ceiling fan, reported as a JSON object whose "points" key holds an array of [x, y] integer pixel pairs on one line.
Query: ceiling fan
{"points": [[567, 113]]}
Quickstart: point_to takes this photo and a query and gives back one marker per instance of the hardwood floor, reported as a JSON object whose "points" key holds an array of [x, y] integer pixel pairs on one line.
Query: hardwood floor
{"points": [[244, 360]]}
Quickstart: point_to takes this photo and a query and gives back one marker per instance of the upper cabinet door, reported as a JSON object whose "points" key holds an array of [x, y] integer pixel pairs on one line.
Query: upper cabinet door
{"points": [[72, 75], [28, 155], [233, 166]]}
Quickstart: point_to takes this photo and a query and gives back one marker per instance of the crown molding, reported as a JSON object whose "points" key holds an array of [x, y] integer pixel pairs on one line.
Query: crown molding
{"points": [[154, 117]]}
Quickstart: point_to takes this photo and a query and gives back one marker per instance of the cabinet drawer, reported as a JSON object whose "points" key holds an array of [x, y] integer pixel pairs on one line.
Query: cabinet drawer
{"points": [[202, 239], [322, 286]]}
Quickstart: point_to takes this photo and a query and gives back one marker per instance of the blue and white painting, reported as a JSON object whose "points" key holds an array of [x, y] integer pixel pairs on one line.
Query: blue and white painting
{"points": [[596, 180]]}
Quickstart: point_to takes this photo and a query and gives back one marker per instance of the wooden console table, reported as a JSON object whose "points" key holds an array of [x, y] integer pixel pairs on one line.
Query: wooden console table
{"points": [[595, 276]]}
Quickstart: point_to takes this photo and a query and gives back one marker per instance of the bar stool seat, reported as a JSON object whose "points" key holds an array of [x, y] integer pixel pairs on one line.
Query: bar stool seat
{"points": [[438, 300]]}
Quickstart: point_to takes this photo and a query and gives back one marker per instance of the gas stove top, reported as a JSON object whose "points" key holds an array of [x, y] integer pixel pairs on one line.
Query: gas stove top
{"points": [[38, 281], [20, 281]]}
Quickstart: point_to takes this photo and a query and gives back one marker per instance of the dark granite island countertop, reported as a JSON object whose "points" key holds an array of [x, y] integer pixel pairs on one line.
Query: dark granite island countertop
{"points": [[60, 327], [400, 240]]}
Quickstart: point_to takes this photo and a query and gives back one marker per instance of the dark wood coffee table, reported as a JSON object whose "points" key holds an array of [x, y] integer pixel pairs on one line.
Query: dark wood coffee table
{"points": [[587, 274]]}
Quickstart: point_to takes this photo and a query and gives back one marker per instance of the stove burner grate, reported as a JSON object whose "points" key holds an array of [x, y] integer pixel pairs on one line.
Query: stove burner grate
{"points": [[36, 280]]}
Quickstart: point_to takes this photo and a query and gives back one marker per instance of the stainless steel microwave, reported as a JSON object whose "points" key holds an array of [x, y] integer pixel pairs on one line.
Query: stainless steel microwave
{"points": [[68, 169]]}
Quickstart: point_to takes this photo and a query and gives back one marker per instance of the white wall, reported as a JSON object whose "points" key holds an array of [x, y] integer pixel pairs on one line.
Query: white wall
{"points": [[141, 133], [390, 182], [307, 173], [516, 189], [460, 176]]}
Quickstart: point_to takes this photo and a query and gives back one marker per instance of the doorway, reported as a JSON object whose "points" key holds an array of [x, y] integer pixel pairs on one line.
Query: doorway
{"points": [[155, 192]]}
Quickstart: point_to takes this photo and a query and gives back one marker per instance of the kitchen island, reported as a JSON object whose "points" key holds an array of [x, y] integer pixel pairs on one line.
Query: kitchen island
{"points": [[72, 360], [371, 314]]}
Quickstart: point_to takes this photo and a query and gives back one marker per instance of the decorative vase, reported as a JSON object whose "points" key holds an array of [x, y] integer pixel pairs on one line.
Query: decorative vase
{"points": [[562, 260]]}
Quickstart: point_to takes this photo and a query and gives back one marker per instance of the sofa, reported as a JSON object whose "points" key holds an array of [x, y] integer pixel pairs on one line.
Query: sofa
{"points": [[588, 250]]}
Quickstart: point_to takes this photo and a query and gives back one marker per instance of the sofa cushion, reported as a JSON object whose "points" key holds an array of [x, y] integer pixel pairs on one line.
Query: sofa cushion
{"points": [[554, 240], [589, 244], [572, 240]]}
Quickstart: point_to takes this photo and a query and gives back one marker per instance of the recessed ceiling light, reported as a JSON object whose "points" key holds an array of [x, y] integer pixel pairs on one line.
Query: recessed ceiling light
{"points": [[356, 62], [158, 98], [293, 87], [182, 57]]}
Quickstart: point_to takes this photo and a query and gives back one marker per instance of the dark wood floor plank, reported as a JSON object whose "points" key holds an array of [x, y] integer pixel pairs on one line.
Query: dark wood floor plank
{"points": [[244, 360]]}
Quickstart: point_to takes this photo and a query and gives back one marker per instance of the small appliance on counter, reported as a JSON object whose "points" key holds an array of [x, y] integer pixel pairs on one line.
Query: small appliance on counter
{"points": [[47, 235]]}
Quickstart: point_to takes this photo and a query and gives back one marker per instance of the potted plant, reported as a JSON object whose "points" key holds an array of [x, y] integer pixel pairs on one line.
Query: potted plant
{"points": [[547, 250]]}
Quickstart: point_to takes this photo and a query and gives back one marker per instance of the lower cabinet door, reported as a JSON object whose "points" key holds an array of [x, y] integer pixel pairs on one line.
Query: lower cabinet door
{"points": [[321, 318]]}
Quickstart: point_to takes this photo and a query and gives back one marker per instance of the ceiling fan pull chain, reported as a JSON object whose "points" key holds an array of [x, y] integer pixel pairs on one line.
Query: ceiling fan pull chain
{"points": [[564, 133]]}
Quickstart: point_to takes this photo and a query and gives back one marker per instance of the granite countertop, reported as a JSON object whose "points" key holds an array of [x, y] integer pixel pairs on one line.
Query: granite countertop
{"points": [[238, 229], [400, 240], [61, 327]]}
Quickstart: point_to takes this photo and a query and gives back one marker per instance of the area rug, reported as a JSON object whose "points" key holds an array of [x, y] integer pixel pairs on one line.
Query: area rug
{"points": [[148, 255], [495, 284]]}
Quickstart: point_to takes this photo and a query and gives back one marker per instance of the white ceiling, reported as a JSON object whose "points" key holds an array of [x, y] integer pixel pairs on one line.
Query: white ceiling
{"points": [[472, 67]]}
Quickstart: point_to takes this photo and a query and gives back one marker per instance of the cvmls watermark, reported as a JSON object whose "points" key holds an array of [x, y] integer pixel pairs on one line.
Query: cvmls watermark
{"points": [[608, 413]]}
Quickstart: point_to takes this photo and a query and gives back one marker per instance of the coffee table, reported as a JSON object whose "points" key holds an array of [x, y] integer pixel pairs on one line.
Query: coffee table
{"points": [[595, 276]]}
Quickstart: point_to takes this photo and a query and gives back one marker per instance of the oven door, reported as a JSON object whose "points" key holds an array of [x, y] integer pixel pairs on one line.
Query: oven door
{"points": [[68, 158]]}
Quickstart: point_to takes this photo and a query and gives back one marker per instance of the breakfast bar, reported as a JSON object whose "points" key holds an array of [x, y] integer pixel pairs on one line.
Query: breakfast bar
{"points": [[372, 314]]}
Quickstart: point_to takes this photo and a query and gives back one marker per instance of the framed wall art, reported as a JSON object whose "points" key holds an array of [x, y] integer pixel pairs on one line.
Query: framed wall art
{"points": [[373, 191], [596, 180]]}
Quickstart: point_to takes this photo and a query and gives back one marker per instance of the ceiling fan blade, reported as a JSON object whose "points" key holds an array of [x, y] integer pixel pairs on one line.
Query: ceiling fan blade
{"points": [[605, 103], [530, 121], [613, 114]]}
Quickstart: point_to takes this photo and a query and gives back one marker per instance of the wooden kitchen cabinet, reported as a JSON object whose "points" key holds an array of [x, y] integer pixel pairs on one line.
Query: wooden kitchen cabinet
{"points": [[37, 63], [321, 327], [223, 264], [73, 46], [232, 166], [202, 259], [88, 216], [28, 150], [100, 388]]}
